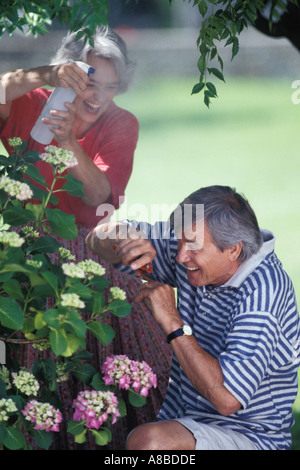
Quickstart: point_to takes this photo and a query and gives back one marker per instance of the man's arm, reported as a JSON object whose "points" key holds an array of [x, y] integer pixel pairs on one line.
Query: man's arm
{"points": [[202, 369]]}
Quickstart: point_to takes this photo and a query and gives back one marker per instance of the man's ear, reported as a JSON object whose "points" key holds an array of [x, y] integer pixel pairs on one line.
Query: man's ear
{"points": [[235, 251]]}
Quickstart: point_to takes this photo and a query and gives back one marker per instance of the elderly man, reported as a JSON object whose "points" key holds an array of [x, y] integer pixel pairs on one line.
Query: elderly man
{"points": [[234, 329]]}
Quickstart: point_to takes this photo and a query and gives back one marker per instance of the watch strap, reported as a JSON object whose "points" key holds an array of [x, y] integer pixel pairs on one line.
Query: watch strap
{"points": [[178, 332], [174, 334]]}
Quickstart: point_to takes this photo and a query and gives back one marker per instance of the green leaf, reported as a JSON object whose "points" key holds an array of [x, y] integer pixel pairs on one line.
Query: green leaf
{"points": [[235, 45], [58, 341], [197, 88], [19, 401], [13, 267], [18, 216], [98, 384], [211, 87], [98, 303], [216, 72], [12, 289], [78, 288], [15, 439], [202, 5], [73, 344], [122, 407], [75, 322], [120, 308], [51, 318], [36, 209], [202, 63], [34, 174], [28, 325], [44, 369], [102, 437], [207, 97], [3, 432], [41, 194], [43, 439], [39, 321], [61, 223], [103, 332], [11, 314], [81, 438], [99, 282], [44, 244], [84, 373], [235, 48], [73, 186], [135, 399], [3, 393], [4, 161], [51, 279], [76, 427], [31, 156]]}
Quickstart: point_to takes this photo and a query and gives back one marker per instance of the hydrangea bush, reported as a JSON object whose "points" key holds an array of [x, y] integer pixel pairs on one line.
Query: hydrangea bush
{"points": [[42, 304]]}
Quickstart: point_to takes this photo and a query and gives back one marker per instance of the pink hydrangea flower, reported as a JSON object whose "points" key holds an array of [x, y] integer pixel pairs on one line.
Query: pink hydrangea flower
{"points": [[124, 372], [95, 408], [117, 371], [45, 416]]}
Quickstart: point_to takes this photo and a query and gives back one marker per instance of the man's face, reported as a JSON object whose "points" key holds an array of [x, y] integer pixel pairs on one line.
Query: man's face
{"points": [[204, 262]]}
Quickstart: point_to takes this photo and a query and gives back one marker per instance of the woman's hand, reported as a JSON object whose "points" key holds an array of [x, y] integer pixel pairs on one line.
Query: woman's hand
{"points": [[69, 74], [61, 123]]}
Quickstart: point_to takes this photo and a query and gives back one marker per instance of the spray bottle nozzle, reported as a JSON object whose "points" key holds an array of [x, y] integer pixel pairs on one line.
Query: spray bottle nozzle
{"points": [[90, 71]]}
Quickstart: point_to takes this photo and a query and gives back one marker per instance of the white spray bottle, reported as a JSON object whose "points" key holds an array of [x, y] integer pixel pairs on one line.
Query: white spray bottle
{"points": [[59, 96]]}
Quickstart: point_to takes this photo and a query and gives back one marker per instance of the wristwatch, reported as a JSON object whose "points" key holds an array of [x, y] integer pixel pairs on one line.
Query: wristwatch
{"points": [[185, 330]]}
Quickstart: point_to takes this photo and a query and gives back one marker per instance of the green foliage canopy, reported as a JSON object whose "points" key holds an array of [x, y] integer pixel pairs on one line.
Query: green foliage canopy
{"points": [[35, 16]]}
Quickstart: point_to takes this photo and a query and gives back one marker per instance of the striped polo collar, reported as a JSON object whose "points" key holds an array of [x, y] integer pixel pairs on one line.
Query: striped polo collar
{"points": [[247, 267]]}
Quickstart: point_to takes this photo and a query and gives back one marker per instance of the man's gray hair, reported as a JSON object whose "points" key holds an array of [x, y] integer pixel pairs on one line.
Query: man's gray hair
{"points": [[229, 218], [107, 45]]}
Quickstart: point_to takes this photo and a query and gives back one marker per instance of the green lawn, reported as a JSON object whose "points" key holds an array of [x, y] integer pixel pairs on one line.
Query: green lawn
{"points": [[248, 139]]}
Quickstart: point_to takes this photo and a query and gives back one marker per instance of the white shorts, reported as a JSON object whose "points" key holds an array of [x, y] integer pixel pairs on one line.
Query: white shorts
{"points": [[213, 437]]}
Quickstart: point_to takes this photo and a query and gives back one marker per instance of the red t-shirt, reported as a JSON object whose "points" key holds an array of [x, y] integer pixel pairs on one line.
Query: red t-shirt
{"points": [[110, 143]]}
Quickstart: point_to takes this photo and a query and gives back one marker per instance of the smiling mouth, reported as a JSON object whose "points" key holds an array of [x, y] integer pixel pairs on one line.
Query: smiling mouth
{"points": [[192, 269], [92, 107]]}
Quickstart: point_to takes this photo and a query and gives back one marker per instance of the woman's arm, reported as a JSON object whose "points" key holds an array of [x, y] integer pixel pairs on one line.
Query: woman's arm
{"points": [[96, 186], [21, 81]]}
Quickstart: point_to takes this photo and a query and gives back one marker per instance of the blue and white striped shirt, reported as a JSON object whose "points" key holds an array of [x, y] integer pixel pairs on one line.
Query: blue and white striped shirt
{"points": [[251, 325]]}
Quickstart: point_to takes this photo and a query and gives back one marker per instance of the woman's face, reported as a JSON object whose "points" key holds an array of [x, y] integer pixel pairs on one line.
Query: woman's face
{"points": [[102, 87]]}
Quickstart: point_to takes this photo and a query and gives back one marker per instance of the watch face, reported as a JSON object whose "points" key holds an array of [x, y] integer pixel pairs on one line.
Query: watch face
{"points": [[187, 330]]}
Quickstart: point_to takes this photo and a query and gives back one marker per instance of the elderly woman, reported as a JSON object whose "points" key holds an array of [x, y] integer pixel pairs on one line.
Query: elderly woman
{"points": [[103, 138]]}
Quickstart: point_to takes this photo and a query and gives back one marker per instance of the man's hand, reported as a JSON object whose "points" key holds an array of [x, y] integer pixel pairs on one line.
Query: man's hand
{"points": [[160, 299], [117, 243], [135, 251]]}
